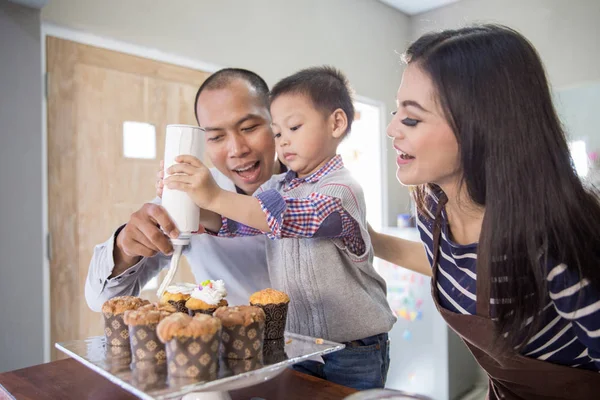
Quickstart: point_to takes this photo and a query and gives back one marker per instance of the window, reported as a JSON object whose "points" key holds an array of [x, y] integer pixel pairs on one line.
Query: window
{"points": [[139, 140], [580, 157], [363, 155]]}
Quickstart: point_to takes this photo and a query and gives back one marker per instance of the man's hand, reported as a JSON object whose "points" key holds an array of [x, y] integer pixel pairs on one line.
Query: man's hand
{"points": [[142, 237], [191, 176]]}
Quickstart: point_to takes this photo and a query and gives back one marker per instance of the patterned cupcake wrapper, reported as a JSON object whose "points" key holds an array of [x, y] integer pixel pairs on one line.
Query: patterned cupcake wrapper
{"points": [[235, 367], [115, 330], [179, 305], [276, 318], [241, 342], [118, 358], [145, 345], [149, 365], [194, 358], [274, 351], [149, 375], [208, 311]]}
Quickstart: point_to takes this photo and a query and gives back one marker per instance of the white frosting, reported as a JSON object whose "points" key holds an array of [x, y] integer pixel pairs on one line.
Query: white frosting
{"points": [[210, 295], [184, 288]]}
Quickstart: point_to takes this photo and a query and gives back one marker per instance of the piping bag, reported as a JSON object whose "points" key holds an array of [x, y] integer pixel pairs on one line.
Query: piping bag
{"points": [[180, 140]]}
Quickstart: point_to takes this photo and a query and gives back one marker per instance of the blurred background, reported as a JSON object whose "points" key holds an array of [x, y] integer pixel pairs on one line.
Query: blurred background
{"points": [[88, 86]]}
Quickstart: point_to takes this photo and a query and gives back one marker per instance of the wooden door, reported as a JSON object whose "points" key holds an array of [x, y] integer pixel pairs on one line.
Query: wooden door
{"points": [[92, 187]]}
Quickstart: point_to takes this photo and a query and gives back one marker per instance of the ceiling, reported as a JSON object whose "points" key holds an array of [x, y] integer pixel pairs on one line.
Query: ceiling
{"points": [[413, 7]]}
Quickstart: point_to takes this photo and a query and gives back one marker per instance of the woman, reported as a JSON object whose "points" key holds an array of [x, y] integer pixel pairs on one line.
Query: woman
{"points": [[511, 233]]}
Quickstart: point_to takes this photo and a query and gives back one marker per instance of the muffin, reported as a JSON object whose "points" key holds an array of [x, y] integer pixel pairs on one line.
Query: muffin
{"points": [[243, 331], [274, 351], [207, 297], [115, 330], [149, 375], [177, 294], [192, 345], [235, 366], [117, 358], [275, 305], [142, 323]]}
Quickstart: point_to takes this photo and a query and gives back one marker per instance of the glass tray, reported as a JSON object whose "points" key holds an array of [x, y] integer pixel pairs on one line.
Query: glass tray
{"points": [[150, 381]]}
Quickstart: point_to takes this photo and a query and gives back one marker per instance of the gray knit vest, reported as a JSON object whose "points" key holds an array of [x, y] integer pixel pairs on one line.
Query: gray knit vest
{"points": [[334, 294]]}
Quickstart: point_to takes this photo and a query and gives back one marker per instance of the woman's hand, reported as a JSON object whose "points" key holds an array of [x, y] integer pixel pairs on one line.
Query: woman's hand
{"points": [[192, 177]]}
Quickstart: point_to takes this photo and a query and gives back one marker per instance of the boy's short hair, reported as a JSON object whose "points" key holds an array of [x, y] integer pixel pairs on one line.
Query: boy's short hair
{"points": [[327, 87], [223, 78]]}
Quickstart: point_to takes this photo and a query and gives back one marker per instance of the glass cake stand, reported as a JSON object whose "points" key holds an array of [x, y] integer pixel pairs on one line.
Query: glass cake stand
{"points": [[150, 381]]}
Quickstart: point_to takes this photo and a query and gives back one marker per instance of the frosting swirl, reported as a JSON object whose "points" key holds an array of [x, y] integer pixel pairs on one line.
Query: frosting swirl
{"points": [[183, 288], [210, 292]]}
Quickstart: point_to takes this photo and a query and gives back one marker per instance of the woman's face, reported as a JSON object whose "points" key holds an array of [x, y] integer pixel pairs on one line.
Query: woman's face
{"points": [[426, 146]]}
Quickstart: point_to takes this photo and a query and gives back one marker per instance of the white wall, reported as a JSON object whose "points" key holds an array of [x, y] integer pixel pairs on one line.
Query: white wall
{"points": [[21, 229], [273, 38], [565, 33]]}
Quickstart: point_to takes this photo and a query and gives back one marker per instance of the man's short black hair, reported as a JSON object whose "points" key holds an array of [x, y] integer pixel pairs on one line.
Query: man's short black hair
{"points": [[327, 87], [223, 78]]}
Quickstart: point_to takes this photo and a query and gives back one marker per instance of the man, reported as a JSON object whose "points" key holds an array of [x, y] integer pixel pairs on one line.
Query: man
{"points": [[232, 108]]}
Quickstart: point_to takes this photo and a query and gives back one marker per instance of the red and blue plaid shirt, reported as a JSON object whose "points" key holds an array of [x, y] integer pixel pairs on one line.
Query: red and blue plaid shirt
{"points": [[314, 216]]}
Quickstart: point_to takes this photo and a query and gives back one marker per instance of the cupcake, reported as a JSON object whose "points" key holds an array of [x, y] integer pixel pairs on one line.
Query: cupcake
{"points": [[235, 366], [275, 305], [274, 351], [243, 331], [117, 358], [115, 330], [177, 294], [192, 345], [142, 323], [207, 297], [149, 375]]}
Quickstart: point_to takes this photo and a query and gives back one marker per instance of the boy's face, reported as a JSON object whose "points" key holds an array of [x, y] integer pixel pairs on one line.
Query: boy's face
{"points": [[304, 137]]}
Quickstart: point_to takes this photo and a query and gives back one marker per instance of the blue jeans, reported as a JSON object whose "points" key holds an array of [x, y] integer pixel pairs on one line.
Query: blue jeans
{"points": [[363, 364]]}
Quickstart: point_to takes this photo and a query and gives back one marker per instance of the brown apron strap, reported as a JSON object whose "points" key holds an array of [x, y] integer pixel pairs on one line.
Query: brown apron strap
{"points": [[484, 280], [437, 231], [483, 272]]}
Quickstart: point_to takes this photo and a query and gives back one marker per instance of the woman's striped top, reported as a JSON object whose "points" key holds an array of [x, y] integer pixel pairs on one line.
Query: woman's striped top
{"points": [[570, 321]]}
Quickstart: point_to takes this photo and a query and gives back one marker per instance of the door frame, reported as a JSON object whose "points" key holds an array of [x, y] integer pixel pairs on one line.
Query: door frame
{"points": [[49, 29]]}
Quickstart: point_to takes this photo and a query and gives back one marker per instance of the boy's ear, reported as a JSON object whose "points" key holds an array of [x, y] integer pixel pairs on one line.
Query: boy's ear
{"points": [[339, 119]]}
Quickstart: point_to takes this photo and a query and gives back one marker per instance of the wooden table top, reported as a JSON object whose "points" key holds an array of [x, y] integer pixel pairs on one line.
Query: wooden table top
{"points": [[68, 379]]}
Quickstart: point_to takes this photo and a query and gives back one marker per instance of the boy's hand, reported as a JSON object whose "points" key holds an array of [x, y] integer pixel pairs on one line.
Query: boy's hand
{"points": [[192, 177], [160, 175]]}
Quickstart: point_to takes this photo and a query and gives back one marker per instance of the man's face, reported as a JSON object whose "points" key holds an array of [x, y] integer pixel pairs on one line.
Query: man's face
{"points": [[239, 140]]}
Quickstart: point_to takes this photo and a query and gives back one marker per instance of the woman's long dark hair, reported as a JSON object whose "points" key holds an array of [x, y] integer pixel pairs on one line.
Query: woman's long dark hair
{"points": [[515, 162]]}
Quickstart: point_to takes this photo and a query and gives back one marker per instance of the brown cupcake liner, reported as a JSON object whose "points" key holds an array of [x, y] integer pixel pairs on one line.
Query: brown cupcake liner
{"points": [[179, 305], [195, 358], [208, 311], [149, 375], [235, 367], [149, 365], [276, 318], [145, 345], [117, 358], [241, 342], [274, 351], [115, 330]]}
